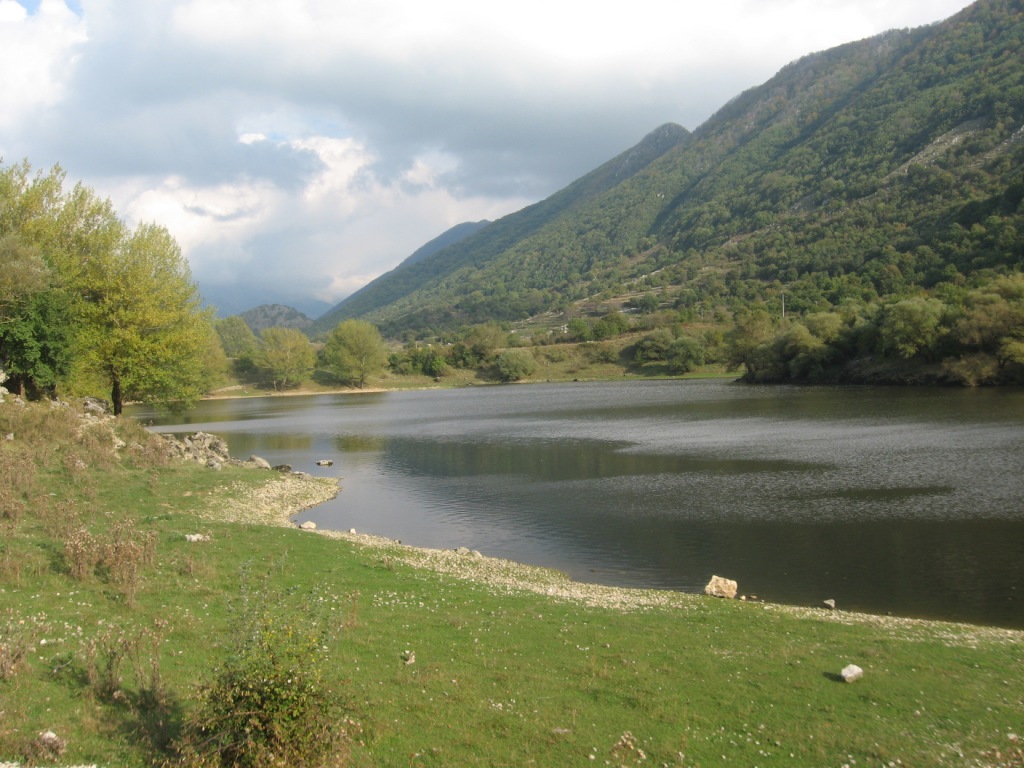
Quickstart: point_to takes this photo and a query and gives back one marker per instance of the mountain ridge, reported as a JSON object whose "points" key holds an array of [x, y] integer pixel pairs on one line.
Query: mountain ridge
{"points": [[880, 167], [500, 234], [274, 316]]}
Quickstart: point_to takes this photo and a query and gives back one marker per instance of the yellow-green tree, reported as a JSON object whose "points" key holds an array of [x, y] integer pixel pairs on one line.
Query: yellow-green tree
{"points": [[142, 327], [85, 298], [354, 351], [285, 357]]}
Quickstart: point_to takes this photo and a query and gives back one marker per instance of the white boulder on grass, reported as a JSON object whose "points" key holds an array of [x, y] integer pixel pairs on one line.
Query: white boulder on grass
{"points": [[851, 673]]}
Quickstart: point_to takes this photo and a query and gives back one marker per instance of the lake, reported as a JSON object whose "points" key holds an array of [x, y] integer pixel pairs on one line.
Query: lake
{"points": [[907, 501]]}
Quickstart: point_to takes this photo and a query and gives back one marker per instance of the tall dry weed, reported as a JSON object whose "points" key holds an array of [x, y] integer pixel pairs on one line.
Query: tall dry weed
{"points": [[117, 653], [119, 556], [82, 553], [18, 481]]}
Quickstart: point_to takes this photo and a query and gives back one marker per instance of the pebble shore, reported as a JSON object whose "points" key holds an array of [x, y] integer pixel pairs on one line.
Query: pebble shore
{"points": [[276, 503]]}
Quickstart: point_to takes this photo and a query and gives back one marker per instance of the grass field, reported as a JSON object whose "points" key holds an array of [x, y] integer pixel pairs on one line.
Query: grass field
{"points": [[110, 621]]}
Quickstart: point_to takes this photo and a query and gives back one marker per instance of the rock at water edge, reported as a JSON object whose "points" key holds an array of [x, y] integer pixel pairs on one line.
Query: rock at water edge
{"points": [[721, 587], [259, 461]]}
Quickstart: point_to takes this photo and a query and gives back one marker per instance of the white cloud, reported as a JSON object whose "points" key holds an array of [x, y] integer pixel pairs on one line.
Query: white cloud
{"points": [[37, 53], [299, 149]]}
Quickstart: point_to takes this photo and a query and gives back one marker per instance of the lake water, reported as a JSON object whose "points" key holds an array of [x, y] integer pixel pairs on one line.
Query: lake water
{"points": [[906, 501]]}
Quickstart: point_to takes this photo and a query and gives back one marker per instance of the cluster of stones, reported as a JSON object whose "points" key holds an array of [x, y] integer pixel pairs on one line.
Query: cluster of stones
{"points": [[202, 447]]}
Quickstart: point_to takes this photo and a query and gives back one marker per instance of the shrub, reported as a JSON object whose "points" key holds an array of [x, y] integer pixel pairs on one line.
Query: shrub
{"points": [[684, 354], [600, 353], [269, 703], [515, 364]]}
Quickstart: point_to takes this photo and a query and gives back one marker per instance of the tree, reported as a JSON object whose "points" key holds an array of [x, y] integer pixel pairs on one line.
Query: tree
{"points": [[752, 329], [645, 304], [285, 356], [579, 329], [654, 346], [24, 274], [354, 351], [236, 337], [993, 318], [684, 354], [911, 327], [611, 325], [515, 364], [484, 340], [142, 327], [35, 344]]}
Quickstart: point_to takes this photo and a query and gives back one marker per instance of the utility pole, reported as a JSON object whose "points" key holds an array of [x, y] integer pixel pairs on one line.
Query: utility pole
{"points": [[783, 306]]}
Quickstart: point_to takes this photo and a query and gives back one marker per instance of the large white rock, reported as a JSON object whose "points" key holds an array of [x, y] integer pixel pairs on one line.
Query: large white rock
{"points": [[851, 673], [721, 587]]}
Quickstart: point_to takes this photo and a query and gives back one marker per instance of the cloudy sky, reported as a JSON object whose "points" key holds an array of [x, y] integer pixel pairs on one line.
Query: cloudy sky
{"points": [[299, 148]]}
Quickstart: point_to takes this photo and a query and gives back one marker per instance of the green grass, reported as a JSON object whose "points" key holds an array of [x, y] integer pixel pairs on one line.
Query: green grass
{"points": [[500, 677]]}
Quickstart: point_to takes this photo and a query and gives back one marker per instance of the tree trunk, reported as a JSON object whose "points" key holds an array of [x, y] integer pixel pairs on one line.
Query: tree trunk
{"points": [[115, 394]]}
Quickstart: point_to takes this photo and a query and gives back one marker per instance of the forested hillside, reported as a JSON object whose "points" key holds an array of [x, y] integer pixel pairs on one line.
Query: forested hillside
{"points": [[425, 288], [878, 170]]}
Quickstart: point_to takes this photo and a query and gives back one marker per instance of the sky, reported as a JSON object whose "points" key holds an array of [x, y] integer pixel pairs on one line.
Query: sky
{"points": [[297, 149]]}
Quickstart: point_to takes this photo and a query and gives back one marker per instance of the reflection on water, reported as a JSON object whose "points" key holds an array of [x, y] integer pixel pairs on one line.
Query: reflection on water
{"points": [[900, 500]]}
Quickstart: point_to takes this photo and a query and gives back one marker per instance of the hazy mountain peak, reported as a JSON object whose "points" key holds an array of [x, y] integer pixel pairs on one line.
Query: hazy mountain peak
{"points": [[274, 316]]}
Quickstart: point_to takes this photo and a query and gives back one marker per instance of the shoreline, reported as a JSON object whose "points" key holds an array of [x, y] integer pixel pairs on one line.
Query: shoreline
{"points": [[228, 393], [275, 503], [217, 393]]}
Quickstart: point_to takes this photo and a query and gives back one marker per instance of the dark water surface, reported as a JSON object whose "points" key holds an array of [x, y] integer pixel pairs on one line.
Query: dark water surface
{"points": [[909, 501]]}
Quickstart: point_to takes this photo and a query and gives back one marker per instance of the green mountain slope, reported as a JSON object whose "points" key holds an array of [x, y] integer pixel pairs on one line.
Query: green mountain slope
{"points": [[415, 278], [876, 168], [372, 294]]}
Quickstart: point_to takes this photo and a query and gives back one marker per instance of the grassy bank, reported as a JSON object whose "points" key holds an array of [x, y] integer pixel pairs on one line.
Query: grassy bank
{"points": [[436, 658]]}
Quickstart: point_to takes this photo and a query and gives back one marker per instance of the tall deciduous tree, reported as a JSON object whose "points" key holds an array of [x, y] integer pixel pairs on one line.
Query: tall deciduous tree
{"points": [[236, 337], [354, 351], [23, 274], [285, 356], [911, 327], [143, 328]]}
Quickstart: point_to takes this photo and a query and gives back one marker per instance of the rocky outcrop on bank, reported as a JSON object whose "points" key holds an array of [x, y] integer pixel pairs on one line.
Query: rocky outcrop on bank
{"points": [[200, 447], [268, 504]]}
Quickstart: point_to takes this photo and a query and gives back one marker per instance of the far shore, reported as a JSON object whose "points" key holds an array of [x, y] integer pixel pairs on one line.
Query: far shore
{"points": [[243, 391]]}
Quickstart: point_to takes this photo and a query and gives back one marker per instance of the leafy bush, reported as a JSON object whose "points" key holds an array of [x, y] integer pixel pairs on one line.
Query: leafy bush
{"points": [[269, 704], [684, 354], [600, 353], [515, 364]]}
